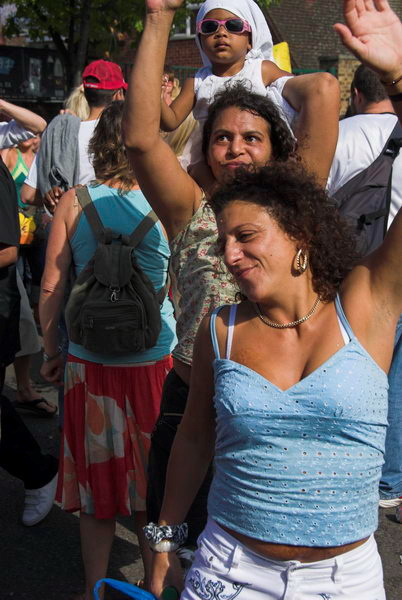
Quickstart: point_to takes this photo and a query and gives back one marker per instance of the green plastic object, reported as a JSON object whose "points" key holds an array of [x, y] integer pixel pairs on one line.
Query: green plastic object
{"points": [[170, 593]]}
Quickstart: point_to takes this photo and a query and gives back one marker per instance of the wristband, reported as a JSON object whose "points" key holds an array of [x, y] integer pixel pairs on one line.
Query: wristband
{"points": [[164, 546], [166, 538]]}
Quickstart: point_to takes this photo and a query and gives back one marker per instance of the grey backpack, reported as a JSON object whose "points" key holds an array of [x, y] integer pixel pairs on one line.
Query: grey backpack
{"points": [[113, 307], [365, 199]]}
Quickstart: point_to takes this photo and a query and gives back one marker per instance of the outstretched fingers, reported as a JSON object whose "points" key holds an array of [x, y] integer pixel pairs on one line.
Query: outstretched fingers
{"points": [[373, 33], [348, 40]]}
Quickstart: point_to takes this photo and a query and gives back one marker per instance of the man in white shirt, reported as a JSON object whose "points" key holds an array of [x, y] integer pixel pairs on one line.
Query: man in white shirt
{"points": [[361, 140], [103, 83]]}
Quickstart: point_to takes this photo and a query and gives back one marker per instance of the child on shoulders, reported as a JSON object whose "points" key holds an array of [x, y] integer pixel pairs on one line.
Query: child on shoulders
{"points": [[235, 44]]}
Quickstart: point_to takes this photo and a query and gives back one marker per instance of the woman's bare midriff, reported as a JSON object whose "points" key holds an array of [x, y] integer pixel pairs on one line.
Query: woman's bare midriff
{"points": [[285, 552]]}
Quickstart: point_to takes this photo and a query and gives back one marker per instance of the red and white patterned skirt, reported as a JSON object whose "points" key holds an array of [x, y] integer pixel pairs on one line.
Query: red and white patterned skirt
{"points": [[110, 412]]}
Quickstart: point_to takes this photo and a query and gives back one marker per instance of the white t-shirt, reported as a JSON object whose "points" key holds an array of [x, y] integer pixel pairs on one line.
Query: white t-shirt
{"points": [[361, 140], [11, 134], [87, 173]]}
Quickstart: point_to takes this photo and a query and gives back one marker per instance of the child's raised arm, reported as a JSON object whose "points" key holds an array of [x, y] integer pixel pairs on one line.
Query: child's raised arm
{"points": [[174, 115]]}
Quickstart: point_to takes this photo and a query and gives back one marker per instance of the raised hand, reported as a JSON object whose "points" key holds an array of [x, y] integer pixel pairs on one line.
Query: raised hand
{"points": [[162, 5], [373, 33]]}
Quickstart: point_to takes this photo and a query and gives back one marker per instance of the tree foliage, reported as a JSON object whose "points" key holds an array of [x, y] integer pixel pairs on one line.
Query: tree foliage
{"points": [[75, 25]]}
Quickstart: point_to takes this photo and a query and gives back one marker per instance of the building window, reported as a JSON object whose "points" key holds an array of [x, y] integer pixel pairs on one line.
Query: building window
{"points": [[187, 29]]}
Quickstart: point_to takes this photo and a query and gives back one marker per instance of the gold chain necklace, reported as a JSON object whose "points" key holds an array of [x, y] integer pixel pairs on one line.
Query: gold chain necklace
{"points": [[265, 320]]}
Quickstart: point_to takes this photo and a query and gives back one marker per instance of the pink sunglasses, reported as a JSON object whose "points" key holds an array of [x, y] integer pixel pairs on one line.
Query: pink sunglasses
{"points": [[233, 25]]}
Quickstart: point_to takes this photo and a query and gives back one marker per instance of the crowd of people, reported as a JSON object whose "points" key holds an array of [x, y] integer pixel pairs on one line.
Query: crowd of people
{"points": [[254, 437]]}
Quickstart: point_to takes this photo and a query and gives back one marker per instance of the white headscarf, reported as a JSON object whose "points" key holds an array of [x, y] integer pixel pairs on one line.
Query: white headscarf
{"points": [[250, 12]]}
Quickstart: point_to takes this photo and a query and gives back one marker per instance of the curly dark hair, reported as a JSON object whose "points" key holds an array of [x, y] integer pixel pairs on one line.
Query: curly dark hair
{"points": [[236, 94], [107, 151], [303, 210]]}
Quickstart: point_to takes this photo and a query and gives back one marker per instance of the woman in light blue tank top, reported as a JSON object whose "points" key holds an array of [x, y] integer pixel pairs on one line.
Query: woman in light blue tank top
{"points": [[289, 394], [111, 403]]}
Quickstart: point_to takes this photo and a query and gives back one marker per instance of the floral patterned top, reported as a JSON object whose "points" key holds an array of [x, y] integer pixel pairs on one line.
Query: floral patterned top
{"points": [[200, 279]]}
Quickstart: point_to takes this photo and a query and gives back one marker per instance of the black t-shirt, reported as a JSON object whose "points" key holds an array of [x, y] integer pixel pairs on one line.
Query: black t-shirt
{"points": [[9, 294]]}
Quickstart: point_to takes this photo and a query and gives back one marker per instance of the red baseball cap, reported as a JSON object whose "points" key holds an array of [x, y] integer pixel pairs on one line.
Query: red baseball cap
{"points": [[108, 74]]}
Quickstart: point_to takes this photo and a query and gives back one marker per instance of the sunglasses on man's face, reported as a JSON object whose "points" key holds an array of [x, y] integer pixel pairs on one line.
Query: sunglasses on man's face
{"points": [[209, 26]]}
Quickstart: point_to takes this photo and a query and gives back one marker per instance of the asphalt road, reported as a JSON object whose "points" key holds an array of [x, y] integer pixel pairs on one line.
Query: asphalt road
{"points": [[43, 562]]}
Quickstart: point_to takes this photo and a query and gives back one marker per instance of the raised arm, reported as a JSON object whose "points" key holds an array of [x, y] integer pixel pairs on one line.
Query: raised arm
{"points": [[373, 33], [316, 98], [385, 268], [171, 191], [174, 115], [24, 117]]}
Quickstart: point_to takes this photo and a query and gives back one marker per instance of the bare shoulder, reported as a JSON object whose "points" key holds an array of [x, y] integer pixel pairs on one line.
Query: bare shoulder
{"points": [[68, 210], [217, 320], [270, 72], [355, 294], [67, 201]]}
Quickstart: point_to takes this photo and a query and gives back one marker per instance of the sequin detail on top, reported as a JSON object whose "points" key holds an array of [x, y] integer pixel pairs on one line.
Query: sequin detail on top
{"points": [[301, 466], [201, 281]]}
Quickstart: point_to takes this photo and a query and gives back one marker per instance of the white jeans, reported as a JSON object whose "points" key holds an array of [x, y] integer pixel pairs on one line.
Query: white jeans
{"points": [[225, 569]]}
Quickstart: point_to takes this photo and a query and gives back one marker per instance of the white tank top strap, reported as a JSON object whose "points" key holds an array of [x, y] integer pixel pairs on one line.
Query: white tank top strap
{"points": [[212, 329], [232, 319], [346, 331]]}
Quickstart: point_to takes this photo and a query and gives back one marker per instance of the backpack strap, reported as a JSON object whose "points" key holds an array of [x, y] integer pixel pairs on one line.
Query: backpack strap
{"points": [[391, 149], [138, 235], [161, 295], [90, 211], [142, 228], [394, 144]]}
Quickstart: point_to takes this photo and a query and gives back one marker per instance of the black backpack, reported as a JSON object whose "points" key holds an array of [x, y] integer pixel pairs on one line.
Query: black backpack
{"points": [[113, 307], [365, 199]]}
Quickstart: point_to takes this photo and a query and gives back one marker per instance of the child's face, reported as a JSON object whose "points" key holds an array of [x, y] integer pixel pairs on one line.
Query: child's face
{"points": [[223, 47]]}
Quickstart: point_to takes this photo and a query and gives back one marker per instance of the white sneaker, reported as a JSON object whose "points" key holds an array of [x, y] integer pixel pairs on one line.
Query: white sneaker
{"points": [[390, 503], [38, 503]]}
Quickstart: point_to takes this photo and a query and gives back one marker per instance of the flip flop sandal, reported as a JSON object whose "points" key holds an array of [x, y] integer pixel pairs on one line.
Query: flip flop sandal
{"points": [[33, 407]]}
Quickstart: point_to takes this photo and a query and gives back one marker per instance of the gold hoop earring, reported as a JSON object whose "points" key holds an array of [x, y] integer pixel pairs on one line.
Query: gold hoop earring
{"points": [[301, 261]]}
